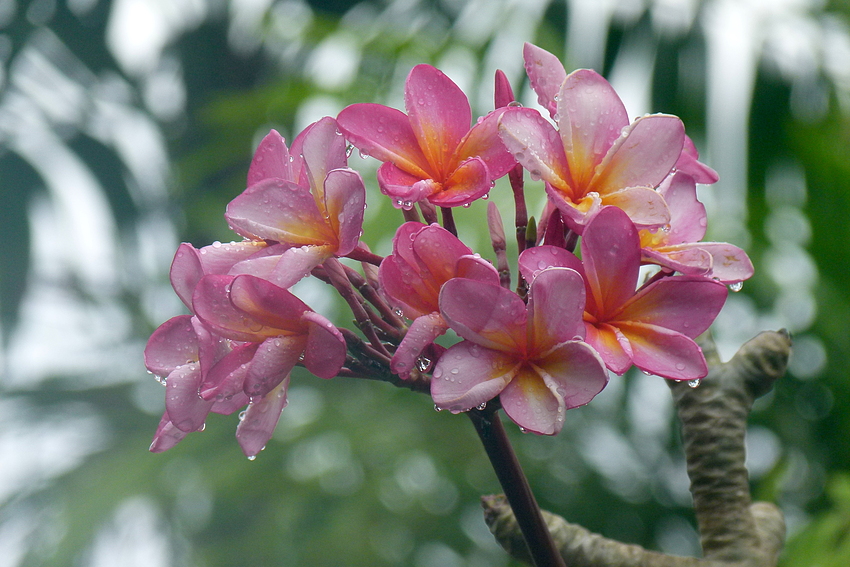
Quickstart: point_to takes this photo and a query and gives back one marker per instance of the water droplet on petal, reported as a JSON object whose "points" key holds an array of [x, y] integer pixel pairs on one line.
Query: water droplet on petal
{"points": [[437, 408], [694, 383], [252, 457], [736, 287], [481, 406]]}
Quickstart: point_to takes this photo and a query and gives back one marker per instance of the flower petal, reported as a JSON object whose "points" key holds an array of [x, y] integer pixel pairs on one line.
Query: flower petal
{"points": [[186, 410], [172, 344], [226, 378], [689, 164], [273, 361], [385, 134], [730, 264], [345, 203], [485, 314], [468, 375], [687, 214], [546, 74], [166, 436], [324, 353], [483, 142], [688, 259], [268, 304], [555, 307], [423, 331], [503, 94], [576, 370], [645, 206], [323, 149], [530, 403], [664, 352], [271, 160], [534, 260], [470, 181], [259, 420], [474, 267], [613, 347], [284, 266], [437, 250], [439, 115], [590, 119], [643, 156], [404, 188], [536, 145]]}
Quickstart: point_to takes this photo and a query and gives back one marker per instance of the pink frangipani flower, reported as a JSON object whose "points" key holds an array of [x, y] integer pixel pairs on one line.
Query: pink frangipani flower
{"points": [[531, 356], [424, 258], [677, 246], [306, 202], [430, 152], [653, 327], [595, 157]]}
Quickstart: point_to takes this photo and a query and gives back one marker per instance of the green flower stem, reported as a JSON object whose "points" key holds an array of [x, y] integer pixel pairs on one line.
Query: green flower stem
{"points": [[540, 547]]}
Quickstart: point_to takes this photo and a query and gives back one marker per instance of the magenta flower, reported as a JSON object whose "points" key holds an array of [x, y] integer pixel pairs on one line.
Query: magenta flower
{"points": [[531, 356], [306, 201], [423, 259], [653, 327], [431, 152], [595, 157], [677, 246]]}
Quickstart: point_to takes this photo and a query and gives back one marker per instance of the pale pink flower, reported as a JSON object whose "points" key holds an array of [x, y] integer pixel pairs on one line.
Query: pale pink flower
{"points": [[531, 356], [653, 327], [431, 152]]}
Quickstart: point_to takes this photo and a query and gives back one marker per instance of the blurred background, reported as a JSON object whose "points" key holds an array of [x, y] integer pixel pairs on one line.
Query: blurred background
{"points": [[125, 128]]}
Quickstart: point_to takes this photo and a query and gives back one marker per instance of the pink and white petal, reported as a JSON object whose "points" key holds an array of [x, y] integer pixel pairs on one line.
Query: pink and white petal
{"points": [[439, 114], [538, 258], [530, 403], [575, 215], [486, 314], [219, 258], [385, 134], [274, 360], [687, 214], [590, 119], [186, 410], [546, 74], [268, 305], [422, 332], [226, 379], [685, 304], [555, 308], [689, 164], [296, 263], [645, 206], [405, 189], [212, 347], [574, 371], [186, 271], [437, 250], [324, 353], [468, 375], [470, 181], [613, 347], [483, 142], [171, 345], [345, 203], [211, 304], [730, 264], [231, 405], [271, 160], [643, 156], [476, 268], [535, 144], [610, 251], [279, 210], [166, 436], [664, 352], [257, 424], [323, 150], [688, 259]]}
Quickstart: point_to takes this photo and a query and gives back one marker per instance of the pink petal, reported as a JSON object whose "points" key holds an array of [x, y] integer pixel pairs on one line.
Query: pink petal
{"points": [[576, 371], [485, 314], [474, 267], [166, 436], [323, 150], [226, 378], [546, 74], [729, 264], [422, 332], [279, 210], [613, 347], [470, 181], [398, 279], [439, 115], [664, 352], [556, 306], [688, 259], [404, 188], [468, 375], [687, 214], [172, 344], [186, 410], [267, 304], [274, 360], [212, 305], [689, 164], [483, 142], [185, 272], [503, 94], [324, 353], [590, 118], [534, 260], [645, 206], [228, 406], [536, 145], [686, 304], [610, 252], [284, 266], [438, 250], [643, 157], [345, 203], [212, 347], [257, 424], [385, 134], [271, 160], [577, 214], [531, 404]]}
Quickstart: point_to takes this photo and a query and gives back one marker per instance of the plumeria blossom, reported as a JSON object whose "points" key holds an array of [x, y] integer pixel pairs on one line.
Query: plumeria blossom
{"points": [[653, 327], [424, 258], [677, 246], [530, 355], [431, 152], [305, 201], [596, 157]]}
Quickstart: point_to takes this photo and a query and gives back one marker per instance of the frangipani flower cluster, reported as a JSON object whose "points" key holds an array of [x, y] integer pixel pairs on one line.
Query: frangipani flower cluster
{"points": [[620, 194]]}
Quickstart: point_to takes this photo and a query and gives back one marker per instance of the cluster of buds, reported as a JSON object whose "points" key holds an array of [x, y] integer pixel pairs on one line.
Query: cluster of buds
{"points": [[621, 192]]}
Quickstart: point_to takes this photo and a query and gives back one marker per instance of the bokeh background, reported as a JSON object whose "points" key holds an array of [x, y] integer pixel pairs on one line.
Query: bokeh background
{"points": [[127, 125]]}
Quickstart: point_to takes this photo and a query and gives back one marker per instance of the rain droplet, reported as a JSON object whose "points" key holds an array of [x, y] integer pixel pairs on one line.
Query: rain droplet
{"points": [[680, 366], [252, 457], [423, 363], [481, 406], [216, 244], [736, 287], [694, 383], [437, 408]]}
